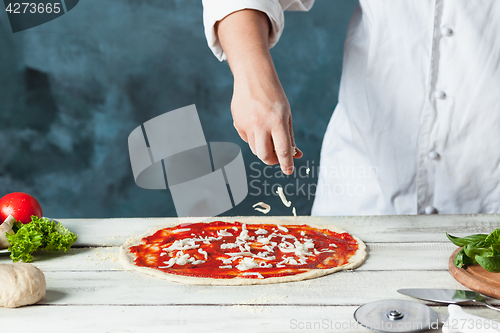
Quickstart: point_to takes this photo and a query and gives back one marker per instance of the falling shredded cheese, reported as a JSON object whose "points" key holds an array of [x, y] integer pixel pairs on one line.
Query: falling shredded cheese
{"points": [[294, 212], [282, 197], [307, 171], [265, 207]]}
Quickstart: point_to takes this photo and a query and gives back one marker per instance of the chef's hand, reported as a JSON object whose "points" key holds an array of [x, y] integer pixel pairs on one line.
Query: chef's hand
{"points": [[260, 109]]}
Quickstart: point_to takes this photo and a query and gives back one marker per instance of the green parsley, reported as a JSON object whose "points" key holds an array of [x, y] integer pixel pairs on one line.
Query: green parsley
{"points": [[39, 234]]}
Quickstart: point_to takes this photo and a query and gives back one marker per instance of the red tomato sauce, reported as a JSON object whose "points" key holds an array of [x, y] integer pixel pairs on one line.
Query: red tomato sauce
{"points": [[149, 253]]}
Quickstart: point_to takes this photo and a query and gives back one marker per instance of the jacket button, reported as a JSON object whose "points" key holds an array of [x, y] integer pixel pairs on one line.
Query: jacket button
{"points": [[440, 94], [445, 31], [429, 210], [433, 155]]}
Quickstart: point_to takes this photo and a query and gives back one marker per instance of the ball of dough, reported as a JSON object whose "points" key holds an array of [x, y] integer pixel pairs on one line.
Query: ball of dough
{"points": [[20, 284]]}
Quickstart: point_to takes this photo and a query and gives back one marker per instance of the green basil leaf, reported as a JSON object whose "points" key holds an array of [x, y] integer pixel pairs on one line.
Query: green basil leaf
{"points": [[477, 249], [459, 258], [462, 241], [491, 263], [495, 249], [494, 237]]}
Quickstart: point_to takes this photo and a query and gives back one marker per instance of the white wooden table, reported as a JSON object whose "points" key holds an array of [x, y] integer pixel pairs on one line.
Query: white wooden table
{"points": [[89, 291]]}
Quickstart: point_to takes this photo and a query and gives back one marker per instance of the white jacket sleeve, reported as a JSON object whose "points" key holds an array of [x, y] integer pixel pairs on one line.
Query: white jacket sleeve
{"points": [[216, 10]]}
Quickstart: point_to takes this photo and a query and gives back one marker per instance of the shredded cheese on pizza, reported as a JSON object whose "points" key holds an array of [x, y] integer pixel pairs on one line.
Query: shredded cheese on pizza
{"points": [[228, 250]]}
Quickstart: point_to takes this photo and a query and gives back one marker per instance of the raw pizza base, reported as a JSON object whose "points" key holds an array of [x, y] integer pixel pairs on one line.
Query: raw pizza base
{"points": [[127, 260]]}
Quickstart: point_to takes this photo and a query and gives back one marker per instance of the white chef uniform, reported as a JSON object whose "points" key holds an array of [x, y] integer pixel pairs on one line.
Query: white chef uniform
{"points": [[417, 126]]}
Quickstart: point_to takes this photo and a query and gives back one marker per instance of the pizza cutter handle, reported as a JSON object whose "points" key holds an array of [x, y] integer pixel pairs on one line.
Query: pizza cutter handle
{"points": [[460, 321]]}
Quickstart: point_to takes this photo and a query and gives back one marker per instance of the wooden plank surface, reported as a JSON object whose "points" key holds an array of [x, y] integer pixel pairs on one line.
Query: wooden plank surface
{"points": [[381, 256], [89, 291], [248, 318], [402, 228], [130, 288]]}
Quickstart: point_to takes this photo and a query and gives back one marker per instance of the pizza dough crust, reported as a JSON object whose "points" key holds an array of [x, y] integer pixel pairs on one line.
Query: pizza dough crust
{"points": [[21, 284], [6, 227], [127, 260]]}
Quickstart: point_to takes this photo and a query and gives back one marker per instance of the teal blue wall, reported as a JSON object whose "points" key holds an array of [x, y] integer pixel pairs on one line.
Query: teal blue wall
{"points": [[72, 90]]}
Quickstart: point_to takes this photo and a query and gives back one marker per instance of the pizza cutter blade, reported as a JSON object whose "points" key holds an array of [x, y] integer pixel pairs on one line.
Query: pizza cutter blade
{"points": [[396, 316]]}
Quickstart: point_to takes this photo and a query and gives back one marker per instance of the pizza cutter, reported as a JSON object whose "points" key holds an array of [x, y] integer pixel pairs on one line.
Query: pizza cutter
{"points": [[407, 316], [394, 315]]}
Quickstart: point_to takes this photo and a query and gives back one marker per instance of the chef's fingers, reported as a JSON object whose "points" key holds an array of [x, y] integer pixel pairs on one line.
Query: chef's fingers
{"points": [[242, 134], [264, 148], [251, 143], [298, 152], [283, 147]]}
